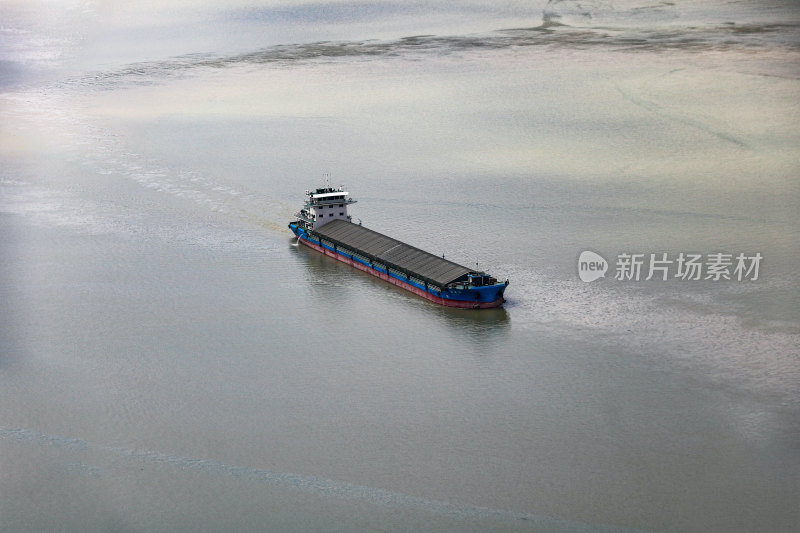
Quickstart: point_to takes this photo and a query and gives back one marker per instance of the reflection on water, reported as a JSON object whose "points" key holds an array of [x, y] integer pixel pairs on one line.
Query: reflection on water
{"points": [[334, 283]]}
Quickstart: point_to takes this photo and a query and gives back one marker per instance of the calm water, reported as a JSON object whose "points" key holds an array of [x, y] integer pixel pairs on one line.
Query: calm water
{"points": [[170, 360]]}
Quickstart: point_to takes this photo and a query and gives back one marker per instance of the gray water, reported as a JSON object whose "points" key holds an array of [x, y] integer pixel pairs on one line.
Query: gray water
{"points": [[171, 360]]}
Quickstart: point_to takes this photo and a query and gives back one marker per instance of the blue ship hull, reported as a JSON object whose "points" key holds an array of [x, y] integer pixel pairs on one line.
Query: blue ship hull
{"points": [[463, 295]]}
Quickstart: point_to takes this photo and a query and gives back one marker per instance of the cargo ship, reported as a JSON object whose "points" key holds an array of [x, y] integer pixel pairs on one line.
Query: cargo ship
{"points": [[324, 224]]}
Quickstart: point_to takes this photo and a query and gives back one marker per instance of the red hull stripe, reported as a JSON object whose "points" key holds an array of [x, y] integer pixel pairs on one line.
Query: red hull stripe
{"points": [[394, 281]]}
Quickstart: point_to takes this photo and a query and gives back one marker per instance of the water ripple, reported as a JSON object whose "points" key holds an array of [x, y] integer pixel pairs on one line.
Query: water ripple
{"points": [[287, 480]]}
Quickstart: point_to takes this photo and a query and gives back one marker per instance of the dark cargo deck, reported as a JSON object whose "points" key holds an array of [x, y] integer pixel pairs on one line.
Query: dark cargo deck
{"points": [[391, 252]]}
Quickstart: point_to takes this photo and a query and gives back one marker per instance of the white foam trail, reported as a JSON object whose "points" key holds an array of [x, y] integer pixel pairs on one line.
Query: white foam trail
{"points": [[304, 483], [690, 329], [47, 113]]}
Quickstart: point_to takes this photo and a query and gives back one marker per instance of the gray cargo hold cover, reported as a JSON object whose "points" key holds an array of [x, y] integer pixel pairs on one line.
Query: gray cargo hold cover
{"points": [[392, 252]]}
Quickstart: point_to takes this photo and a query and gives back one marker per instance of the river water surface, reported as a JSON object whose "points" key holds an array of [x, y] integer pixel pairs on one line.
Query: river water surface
{"points": [[171, 360]]}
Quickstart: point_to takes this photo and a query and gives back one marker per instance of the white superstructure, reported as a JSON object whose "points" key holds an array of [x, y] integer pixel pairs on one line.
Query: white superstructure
{"points": [[325, 205]]}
